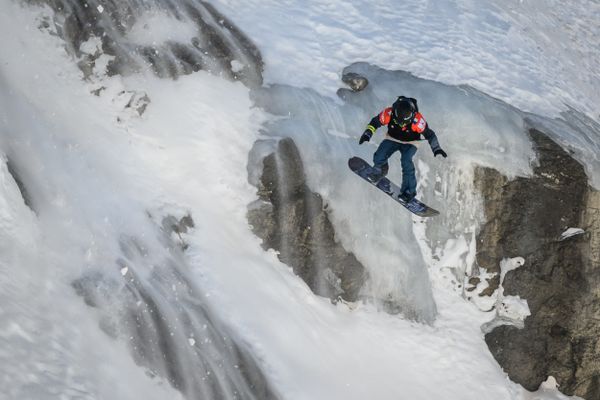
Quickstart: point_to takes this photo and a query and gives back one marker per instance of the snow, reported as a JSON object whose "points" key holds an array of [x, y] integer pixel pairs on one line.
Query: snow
{"points": [[514, 308], [236, 66], [534, 56], [571, 232], [96, 171], [510, 264], [155, 28]]}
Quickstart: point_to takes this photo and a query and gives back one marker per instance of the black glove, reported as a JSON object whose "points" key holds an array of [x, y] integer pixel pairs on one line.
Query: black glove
{"points": [[440, 152], [366, 136]]}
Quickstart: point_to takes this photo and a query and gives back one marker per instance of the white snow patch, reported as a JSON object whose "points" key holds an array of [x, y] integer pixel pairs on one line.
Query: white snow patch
{"points": [[236, 66], [513, 308], [91, 46], [549, 390], [155, 28], [510, 310], [571, 232], [510, 264]]}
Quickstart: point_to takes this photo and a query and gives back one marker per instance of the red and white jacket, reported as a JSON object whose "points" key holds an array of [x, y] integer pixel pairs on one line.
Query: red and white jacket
{"points": [[412, 133]]}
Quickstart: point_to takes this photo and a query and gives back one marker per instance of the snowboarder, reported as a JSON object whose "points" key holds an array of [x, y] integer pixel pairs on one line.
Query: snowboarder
{"points": [[406, 128]]}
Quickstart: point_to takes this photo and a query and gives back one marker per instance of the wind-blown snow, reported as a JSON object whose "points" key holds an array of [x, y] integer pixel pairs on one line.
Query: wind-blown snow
{"points": [[95, 170]]}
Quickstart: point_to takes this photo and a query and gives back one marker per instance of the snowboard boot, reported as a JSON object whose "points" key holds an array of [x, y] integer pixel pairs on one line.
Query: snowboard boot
{"points": [[377, 173], [406, 197], [384, 185]]}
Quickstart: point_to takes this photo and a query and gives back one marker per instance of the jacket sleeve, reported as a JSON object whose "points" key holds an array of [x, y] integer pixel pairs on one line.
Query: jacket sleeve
{"points": [[383, 118], [374, 124], [431, 137]]}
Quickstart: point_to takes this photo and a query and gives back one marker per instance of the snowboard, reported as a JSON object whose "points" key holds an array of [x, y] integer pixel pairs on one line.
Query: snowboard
{"points": [[362, 168]]}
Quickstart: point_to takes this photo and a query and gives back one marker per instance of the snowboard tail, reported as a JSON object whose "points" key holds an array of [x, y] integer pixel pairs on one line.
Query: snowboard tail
{"points": [[363, 168]]}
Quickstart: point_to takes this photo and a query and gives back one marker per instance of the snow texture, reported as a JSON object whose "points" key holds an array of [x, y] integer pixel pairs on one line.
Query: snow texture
{"points": [[538, 56], [95, 171]]}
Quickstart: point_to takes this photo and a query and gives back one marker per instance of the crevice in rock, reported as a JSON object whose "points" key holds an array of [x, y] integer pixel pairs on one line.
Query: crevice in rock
{"points": [[24, 193], [293, 220]]}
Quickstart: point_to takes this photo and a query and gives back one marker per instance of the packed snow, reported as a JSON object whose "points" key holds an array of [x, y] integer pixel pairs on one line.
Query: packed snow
{"points": [[156, 28], [96, 170], [571, 232], [537, 56]]}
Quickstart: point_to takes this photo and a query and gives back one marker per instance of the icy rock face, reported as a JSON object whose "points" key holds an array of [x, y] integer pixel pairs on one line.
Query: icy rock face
{"points": [[165, 321], [169, 37], [559, 278], [292, 219]]}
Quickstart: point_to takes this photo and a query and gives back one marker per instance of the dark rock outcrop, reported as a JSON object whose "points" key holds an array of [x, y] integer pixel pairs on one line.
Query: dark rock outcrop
{"points": [[355, 81], [293, 220], [218, 47], [560, 278]]}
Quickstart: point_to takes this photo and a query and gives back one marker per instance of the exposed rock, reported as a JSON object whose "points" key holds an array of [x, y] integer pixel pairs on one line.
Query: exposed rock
{"points": [[218, 46], [472, 283], [138, 101], [559, 279], [173, 226], [293, 220], [355, 81]]}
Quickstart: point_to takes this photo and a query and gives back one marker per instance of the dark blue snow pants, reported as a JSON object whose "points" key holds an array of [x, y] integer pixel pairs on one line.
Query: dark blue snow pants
{"points": [[407, 151]]}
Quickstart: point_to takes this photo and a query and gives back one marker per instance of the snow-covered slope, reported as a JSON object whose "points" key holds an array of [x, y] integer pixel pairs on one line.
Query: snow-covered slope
{"points": [[97, 172], [535, 55]]}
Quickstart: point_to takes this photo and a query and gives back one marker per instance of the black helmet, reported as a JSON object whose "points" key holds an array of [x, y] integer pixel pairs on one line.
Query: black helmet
{"points": [[404, 111]]}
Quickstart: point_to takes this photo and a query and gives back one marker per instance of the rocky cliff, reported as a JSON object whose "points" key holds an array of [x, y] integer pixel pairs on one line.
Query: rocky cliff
{"points": [[198, 37], [293, 220], [560, 279]]}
